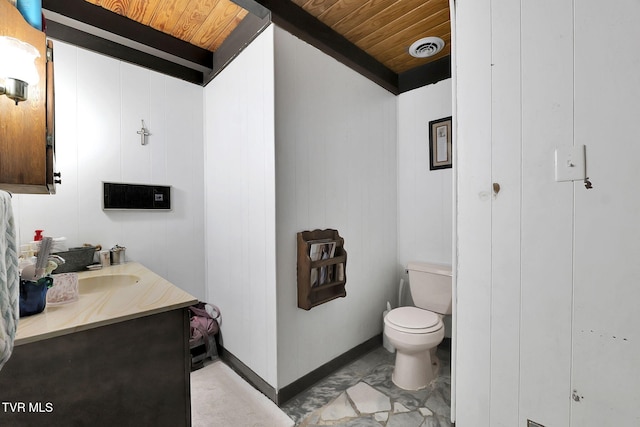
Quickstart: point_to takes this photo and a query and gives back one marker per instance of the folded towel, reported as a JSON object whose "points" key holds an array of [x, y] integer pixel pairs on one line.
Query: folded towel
{"points": [[9, 279]]}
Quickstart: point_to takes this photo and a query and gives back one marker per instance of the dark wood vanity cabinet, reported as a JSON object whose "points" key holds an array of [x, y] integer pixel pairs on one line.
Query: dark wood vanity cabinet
{"points": [[27, 146], [135, 372]]}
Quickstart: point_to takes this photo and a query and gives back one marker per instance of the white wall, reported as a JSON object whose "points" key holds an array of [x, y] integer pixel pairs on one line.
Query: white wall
{"points": [[99, 104], [424, 196], [240, 205], [546, 280], [335, 168]]}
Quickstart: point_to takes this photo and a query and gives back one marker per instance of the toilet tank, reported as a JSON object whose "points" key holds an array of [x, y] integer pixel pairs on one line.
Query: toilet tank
{"points": [[430, 286]]}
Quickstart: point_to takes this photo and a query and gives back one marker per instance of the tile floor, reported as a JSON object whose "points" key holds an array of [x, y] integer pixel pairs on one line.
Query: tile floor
{"points": [[362, 394]]}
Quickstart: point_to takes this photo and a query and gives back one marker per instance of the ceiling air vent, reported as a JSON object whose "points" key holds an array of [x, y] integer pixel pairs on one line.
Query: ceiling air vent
{"points": [[426, 47]]}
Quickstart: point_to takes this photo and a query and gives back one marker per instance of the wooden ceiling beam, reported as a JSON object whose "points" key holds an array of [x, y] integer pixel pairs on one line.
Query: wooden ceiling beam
{"points": [[115, 50], [248, 29], [426, 74], [294, 19], [103, 19]]}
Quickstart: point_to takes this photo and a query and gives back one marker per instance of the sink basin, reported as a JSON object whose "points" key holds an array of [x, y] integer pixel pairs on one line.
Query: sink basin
{"points": [[88, 285]]}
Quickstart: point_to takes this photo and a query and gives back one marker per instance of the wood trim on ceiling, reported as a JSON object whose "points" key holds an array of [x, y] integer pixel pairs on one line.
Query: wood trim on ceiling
{"points": [[246, 31], [427, 74], [292, 18], [161, 52], [301, 24], [115, 50], [98, 17]]}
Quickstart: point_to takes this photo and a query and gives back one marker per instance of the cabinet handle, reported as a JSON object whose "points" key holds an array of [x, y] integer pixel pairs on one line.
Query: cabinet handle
{"points": [[57, 179]]}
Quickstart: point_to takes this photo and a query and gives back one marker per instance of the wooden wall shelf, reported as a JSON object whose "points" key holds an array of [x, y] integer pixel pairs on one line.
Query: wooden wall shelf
{"points": [[322, 267]]}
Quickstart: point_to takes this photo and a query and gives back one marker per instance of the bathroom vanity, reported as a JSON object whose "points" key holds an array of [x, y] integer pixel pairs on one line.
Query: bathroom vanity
{"points": [[119, 355]]}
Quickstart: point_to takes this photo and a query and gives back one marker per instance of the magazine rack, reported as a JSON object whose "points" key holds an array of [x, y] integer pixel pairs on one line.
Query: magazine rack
{"points": [[322, 267]]}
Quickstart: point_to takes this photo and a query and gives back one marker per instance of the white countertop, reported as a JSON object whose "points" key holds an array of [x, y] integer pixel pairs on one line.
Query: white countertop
{"points": [[151, 295]]}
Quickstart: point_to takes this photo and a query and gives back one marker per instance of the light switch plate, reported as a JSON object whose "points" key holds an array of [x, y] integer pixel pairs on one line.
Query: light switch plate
{"points": [[570, 163]]}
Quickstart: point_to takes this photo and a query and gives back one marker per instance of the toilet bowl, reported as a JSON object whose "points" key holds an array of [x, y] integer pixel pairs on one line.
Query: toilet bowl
{"points": [[415, 333]]}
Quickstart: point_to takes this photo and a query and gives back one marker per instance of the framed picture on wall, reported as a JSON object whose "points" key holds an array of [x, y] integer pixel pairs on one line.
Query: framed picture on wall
{"points": [[440, 144]]}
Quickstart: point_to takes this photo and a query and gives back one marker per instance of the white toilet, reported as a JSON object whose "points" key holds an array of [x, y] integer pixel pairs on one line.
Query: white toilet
{"points": [[415, 332]]}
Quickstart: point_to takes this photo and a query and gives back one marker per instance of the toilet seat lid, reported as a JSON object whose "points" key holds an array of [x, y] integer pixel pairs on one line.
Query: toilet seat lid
{"points": [[414, 319]]}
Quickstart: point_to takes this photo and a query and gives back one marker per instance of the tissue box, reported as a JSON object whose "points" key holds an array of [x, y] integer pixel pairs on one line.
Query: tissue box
{"points": [[64, 289]]}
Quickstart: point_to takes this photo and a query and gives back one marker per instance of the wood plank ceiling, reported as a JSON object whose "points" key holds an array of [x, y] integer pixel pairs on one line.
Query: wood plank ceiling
{"points": [[386, 29], [205, 24], [371, 36]]}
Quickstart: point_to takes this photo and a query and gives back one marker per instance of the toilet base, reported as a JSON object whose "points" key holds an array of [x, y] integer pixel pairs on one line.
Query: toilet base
{"points": [[416, 370]]}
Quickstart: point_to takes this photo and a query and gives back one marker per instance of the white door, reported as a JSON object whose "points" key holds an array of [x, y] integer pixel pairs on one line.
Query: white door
{"points": [[606, 316], [548, 273]]}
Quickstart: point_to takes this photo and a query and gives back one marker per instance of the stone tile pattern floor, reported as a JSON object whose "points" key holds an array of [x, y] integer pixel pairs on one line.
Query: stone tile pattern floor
{"points": [[362, 394]]}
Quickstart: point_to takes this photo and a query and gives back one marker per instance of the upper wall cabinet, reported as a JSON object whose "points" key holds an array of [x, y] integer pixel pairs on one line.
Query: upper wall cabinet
{"points": [[27, 149]]}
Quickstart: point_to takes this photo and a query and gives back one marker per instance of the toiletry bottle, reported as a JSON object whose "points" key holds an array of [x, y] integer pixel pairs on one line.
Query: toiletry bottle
{"points": [[31, 10], [38, 236]]}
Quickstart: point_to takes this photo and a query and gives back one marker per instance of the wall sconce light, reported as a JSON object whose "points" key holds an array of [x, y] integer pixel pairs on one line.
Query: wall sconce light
{"points": [[17, 68]]}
